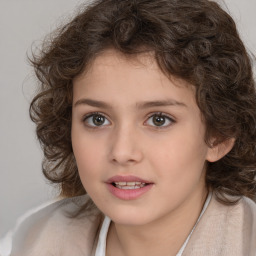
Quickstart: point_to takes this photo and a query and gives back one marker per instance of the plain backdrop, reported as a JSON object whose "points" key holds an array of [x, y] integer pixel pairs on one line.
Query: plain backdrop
{"points": [[22, 22]]}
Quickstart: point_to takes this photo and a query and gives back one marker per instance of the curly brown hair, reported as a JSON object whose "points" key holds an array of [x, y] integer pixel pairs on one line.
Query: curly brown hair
{"points": [[196, 41]]}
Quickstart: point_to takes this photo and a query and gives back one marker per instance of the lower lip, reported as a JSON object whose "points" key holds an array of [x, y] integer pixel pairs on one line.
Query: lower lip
{"points": [[128, 194]]}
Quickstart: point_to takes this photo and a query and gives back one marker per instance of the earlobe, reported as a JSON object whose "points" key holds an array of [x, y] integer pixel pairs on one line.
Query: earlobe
{"points": [[218, 151]]}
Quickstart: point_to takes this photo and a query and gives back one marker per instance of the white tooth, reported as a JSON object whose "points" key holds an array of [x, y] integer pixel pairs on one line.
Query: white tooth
{"points": [[131, 183], [128, 187], [120, 183], [120, 187]]}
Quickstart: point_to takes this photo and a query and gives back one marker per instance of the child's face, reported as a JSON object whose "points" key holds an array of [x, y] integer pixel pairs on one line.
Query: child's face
{"points": [[131, 120]]}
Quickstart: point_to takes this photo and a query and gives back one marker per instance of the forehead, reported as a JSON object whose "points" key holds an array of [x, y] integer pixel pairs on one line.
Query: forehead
{"points": [[112, 58], [112, 75]]}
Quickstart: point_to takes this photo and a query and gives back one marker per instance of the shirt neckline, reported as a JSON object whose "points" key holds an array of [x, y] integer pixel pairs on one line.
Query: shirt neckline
{"points": [[101, 245]]}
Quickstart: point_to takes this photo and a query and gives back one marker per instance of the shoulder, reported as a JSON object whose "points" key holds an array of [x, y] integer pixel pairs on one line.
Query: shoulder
{"points": [[243, 206], [249, 207], [239, 215], [53, 229], [225, 230], [246, 209]]}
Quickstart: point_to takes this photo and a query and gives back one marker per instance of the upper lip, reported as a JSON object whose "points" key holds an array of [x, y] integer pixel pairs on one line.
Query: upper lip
{"points": [[128, 178]]}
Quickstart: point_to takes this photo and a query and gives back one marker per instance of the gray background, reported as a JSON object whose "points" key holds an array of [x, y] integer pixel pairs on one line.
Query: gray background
{"points": [[23, 22]]}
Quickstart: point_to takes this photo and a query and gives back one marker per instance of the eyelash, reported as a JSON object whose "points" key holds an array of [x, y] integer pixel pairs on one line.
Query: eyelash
{"points": [[160, 114], [152, 115], [86, 117]]}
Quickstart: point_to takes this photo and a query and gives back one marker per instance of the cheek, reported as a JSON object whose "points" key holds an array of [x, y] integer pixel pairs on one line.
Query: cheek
{"points": [[182, 156], [86, 153], [88, 166], [86, 158], [180, 166]]}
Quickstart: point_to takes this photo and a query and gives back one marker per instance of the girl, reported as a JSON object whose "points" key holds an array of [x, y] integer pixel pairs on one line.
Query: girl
{"points": [[146, 115]]}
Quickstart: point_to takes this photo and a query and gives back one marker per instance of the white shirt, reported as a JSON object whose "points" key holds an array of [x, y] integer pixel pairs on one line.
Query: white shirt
{"points": [[101, 246]]}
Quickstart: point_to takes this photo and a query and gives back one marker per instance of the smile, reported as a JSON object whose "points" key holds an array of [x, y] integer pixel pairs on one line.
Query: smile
{"points": [[128, 187]]}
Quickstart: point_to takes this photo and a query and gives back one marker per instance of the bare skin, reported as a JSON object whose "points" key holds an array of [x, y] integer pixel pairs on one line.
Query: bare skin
{"points": [[159, 238], [130, 120]]}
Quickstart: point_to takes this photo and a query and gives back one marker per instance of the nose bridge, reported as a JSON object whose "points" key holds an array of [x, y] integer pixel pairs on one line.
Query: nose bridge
{"points": [[125, 144]]}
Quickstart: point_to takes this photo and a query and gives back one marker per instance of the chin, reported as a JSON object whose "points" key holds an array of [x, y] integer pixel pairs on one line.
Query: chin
{"points": [[131, 217]]}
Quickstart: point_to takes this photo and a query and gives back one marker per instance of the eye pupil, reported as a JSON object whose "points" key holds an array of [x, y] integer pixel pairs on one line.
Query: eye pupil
{"points": [[98, 120], [158, 120]]}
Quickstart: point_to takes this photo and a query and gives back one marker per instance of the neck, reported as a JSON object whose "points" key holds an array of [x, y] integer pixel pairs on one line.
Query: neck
{"points": [[164, 236]]}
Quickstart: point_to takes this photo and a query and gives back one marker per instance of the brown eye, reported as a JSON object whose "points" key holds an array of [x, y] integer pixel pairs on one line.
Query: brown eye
{"points": [[159, 120], [96, 120]]}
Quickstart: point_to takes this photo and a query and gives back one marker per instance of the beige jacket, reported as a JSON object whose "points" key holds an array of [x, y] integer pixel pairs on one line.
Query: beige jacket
{"points": [[222, 231]]}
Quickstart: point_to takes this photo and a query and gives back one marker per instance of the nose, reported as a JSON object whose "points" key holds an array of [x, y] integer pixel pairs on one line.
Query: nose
{"points": [[125, 146]]}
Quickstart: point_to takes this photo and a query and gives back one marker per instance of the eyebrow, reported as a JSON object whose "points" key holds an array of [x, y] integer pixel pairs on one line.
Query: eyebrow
{"points": [[159, 103], [93, 103], [139, 105]]}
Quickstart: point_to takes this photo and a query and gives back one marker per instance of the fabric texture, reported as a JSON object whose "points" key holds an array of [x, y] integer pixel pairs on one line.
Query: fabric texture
{"points": [[101, 245], [222, 231], [102, 241]]}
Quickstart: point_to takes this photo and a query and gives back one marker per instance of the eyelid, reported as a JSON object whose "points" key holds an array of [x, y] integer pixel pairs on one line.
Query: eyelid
{"points": [[86, 116], [168, 116], [150, 115], [93, 113]]}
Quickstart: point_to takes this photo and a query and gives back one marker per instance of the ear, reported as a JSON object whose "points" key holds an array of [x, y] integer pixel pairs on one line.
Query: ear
{"points": [[216, 152]]}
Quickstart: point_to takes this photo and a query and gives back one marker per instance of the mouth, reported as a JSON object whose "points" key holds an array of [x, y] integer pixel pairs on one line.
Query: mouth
{"points": [[129, 184], [128, 187]]}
